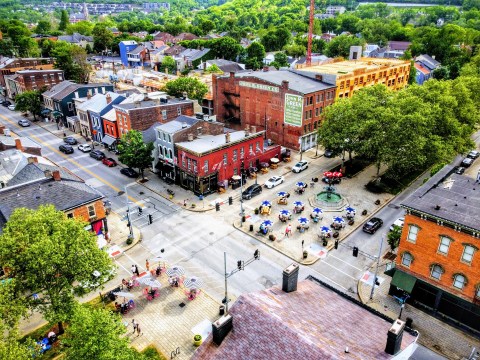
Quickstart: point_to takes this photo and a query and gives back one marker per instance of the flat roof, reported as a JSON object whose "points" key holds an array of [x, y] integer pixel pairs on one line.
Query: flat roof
{"points": [[349, 66], [149, 103], [448, 196], [204, 143]]}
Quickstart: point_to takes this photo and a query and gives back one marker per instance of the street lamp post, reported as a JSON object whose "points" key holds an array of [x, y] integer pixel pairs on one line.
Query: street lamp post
{"points": [[130, 235], [242, 212], [376, 268]]}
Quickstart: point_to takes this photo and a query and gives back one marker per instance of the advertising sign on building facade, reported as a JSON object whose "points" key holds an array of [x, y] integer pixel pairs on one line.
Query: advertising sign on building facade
{"points": [[293, 109]]}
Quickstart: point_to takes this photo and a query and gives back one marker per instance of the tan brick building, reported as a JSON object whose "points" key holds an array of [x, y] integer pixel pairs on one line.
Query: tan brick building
{"points": [[287, 105], [140, 115], [438, 262]]}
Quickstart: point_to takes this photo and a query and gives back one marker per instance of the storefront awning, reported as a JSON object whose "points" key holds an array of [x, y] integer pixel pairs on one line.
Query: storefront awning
{"points": [[109, 140], [403, 281]]}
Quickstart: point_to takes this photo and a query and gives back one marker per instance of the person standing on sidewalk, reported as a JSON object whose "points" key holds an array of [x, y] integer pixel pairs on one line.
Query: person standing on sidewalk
{"points": [[133, 269], [147, 265], [288, 230], [139, 331], [134, 324]]}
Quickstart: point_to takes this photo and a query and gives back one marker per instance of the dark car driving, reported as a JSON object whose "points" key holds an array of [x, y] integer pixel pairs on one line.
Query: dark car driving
{"points": [[70, 140], [252, 191], [372, 225], [97, 155], [129, 172]]}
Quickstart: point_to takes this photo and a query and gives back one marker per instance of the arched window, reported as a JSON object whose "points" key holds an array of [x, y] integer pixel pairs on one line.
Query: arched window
{"points": [[407, 259], [436, 271], [459, 281]]}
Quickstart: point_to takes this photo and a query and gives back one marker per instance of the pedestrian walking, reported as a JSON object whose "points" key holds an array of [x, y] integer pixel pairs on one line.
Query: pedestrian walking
{"points": [[134, 324], [147, 265], [136, 271], [139, 331], [288, 230], [133, 269]]}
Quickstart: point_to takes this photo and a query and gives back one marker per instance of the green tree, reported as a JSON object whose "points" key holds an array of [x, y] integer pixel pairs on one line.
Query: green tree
{"points": [[169, 63], [412, 78], [7, 48], [255, 56], [64, 20], [102, 37], [226, 48], [194, 88], [276, 39], [31, 101], [43, 27], [72, 59], [50, 254], [280, 60], [213, 69], [97, 333], [134, 152], [340, 45], [393, 237], [295, 50]]}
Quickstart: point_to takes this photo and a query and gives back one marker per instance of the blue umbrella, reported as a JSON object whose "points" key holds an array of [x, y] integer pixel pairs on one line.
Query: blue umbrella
{"points": [[285, 212], [300, 184], [317, 211], [266, 203], [282, 193], [267, 223], [325, 230], [338, 220], [303, 220], [349, 209], [298, 203]]}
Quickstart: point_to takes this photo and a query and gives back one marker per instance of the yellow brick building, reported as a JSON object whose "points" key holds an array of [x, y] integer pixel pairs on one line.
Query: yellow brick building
{"points": [[353, 75]]}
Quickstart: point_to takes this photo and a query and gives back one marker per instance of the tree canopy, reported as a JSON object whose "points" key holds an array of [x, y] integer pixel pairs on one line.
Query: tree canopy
{"points": [[194, 88], [30, 100], [134, 152]]}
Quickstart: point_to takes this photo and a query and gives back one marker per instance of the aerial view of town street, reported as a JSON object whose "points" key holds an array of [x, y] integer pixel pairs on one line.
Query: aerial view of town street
{"points": [[240, 180]]}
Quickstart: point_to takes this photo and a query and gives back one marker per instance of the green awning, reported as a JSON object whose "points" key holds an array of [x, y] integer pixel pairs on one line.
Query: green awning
{"points": [[403, 281]]}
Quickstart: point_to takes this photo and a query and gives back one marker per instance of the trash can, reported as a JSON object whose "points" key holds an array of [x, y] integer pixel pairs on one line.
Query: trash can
{"points": [[251, 227], [222, 310]]}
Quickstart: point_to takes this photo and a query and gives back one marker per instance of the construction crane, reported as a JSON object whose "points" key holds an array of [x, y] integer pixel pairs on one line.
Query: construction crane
{"points": [[310, 33]]}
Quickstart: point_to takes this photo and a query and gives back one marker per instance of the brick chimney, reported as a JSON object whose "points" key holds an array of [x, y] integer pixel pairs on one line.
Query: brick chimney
{"points": [[227, 138], [32, 160], [48, 174], [18, 144], [108, 98], [285, 84], [56, 175]]}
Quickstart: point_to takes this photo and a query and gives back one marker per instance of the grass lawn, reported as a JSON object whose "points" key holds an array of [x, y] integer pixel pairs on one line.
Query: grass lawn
{"points": [[391, 185], [151, 353]]}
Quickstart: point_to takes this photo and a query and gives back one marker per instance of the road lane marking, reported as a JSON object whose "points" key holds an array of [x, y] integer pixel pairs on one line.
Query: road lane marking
{"points": [[332, 256], [326, 263]]}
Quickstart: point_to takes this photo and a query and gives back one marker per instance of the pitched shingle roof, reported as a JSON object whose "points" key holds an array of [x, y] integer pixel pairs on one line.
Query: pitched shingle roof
{"points": [[36, 171], [68, 88]]}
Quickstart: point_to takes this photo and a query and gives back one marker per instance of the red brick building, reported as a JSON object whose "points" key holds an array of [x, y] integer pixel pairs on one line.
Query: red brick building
{"points": [[25, 80], [438, 262], [287, 105], [110, 126], [11, 66], [209, 159], [140, 115]]}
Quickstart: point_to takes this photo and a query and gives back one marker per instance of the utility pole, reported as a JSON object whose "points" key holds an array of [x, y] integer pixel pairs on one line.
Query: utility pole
{"points": [[376, 268], [129, 219], [240, 266]]}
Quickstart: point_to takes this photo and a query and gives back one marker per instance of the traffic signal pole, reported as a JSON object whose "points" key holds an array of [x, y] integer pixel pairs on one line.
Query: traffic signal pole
{"points": [[376, 268]]}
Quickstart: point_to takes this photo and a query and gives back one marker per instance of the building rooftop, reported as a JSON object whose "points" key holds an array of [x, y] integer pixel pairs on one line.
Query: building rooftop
{"points": [[312, 323], [449, 197], [110, 115], [36, 171], [66, 87], [296, 81], [12, 161], [26, 142], [148, 103], [34, 71], [97, 102], [178, 124], [204, 143]]}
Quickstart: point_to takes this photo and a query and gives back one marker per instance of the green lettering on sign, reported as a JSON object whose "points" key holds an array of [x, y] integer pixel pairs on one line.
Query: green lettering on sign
{"points": [[293, 110], [259, 86]]}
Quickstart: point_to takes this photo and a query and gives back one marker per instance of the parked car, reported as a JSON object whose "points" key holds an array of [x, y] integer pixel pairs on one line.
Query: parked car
{"points": [[473, 154], [372, 225], [109, 162], [11, 107], [66, 149], [85, 148], [129, 172], [251, 191], [467, 162], [70, 140], [328, 153], [97, 155], [24, 123], [274, 181], [459, 170], [6, 103], [399, 222], [300, 166]]}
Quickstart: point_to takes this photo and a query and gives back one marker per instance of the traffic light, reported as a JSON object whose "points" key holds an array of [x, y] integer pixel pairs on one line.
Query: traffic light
{"points": [[128, 224], [336, 244], [256, 254], [240, 265], [217, 206], [230, 200], [355, 251], [150, 218]]}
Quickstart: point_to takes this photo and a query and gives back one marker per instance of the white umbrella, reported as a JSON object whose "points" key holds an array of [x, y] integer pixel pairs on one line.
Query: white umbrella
{"points": [[124, 294], [193, 283], [150, 282], [175, 271]]}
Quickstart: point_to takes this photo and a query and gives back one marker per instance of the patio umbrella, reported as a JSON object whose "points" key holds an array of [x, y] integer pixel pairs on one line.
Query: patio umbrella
{"points": [[325, 230], [285, 213], [193, 283], [300, 184], [338, 220], [274, 160], [298, 203], [150, 282], [267, 223], [327, 173], [337, 174], [124, 294], [350, 210], [45, 112], [303, 220], [175, 271], [266, 203], [317, 211], [282, 193]]}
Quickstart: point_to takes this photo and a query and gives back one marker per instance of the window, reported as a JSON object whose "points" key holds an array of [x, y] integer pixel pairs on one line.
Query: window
{"points": [[179, 111], [45, 78], [251, 149], [195, 168], [242, 151], [436, 272], [70, 106], [70, 215], [164, 114], [225, 158], [32, 78], [235, 171], [407, 259], [468, 252], [60, 77], [189, 162], [235, 155], [169, 138], [315, 125], [412, 233], [91, 211], [459, 281], [477, 291], [318, 98], [205, 166], [159, 135], [258, 146], [444, 245], [183, 161], [164, 137]]}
